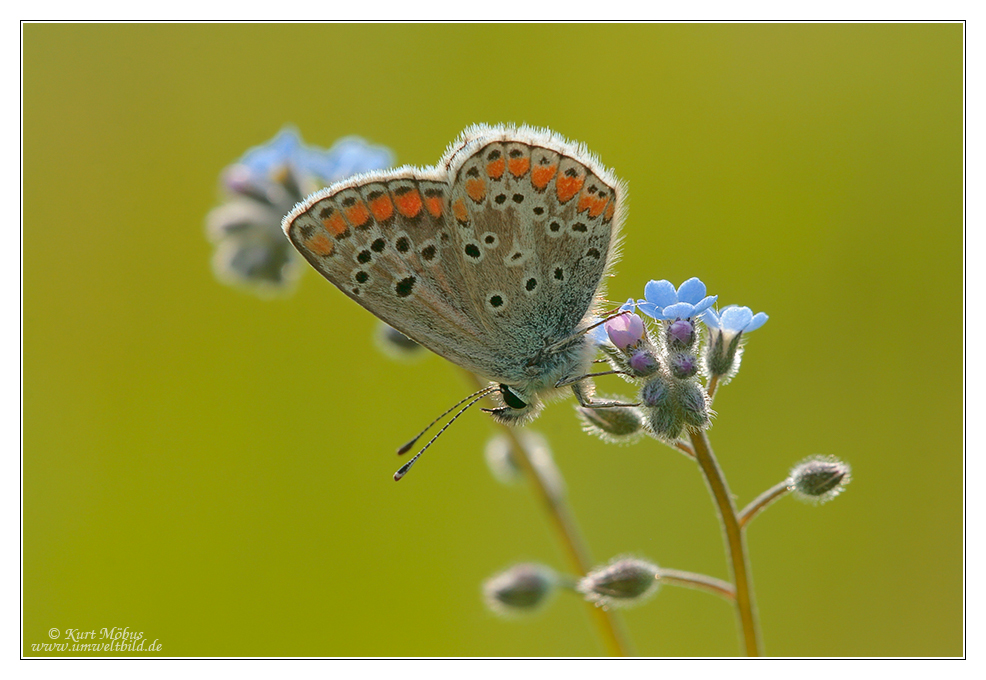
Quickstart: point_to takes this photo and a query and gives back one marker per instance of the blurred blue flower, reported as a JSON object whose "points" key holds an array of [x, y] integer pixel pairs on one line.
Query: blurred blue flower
{"points": [[348, 156], [260, 188], [662, 301], [733, 319]]}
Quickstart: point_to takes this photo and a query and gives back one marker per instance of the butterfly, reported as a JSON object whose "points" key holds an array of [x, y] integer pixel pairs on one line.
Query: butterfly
{"points": [[494, 258]]}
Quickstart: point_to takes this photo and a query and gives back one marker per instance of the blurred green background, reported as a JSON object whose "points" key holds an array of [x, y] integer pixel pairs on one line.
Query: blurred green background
{"points": [[188, 475]]}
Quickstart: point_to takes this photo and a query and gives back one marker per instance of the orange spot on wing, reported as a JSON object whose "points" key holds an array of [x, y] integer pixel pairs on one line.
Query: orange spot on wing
{"points": [[382, 208], [435, 205], [610, 211], [357, 214], [320, 244], [519, 166], [334, 224], [585, 202], [460, 212], [495, 168], [598, 205], [567, 187], [542, 174], [476, 188], [408, 204]]}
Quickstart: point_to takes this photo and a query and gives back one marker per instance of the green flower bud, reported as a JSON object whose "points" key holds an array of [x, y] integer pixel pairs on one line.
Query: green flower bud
{"points": [[694, 404], [523, 588], [617, 424], [658, 406], [624, 582], [820, 478]]}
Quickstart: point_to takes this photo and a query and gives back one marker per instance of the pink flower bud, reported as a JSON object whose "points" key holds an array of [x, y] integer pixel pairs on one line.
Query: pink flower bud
{"points": [[625, 330]]}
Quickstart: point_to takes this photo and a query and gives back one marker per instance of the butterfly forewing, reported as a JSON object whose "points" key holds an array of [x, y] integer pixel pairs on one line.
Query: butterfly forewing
{"points": [[486, 259]]}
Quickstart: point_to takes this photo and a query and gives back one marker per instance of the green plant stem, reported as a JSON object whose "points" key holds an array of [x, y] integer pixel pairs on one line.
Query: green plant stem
{"points": [[735, 542], [688, 579], [577, 554], [712, 387], [684, 449], [574, 546], [762, 501], [674, 577]]}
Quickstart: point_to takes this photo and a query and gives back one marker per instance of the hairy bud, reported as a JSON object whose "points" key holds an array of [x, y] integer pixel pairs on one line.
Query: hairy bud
{"points": [[820, 478], [617, 424], [625, 581], [521, 589]]}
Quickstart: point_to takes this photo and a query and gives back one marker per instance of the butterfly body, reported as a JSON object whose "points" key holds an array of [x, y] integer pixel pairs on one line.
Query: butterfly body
{"points": [[494, 258]]}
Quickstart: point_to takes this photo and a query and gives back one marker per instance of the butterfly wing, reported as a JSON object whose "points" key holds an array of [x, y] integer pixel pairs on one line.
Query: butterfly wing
{"points": [[487, 258], [543, 216]]}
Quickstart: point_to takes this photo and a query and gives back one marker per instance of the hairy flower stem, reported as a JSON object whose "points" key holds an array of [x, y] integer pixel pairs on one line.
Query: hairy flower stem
{"points": [[688, 579], [762, 501], [685, 449], [579, 560], [712, 388], [735, 542]]}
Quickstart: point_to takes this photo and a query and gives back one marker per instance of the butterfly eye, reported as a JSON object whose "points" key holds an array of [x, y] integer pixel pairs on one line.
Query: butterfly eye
{"points": [[511, 399]]}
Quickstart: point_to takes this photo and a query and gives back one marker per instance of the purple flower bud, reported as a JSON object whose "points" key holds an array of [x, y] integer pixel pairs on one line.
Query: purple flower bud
{"points": [[644, 363], [684, 365], [625, 330], [682, 333]]}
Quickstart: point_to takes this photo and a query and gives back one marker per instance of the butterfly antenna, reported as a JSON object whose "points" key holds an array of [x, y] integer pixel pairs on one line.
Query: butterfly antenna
{"points": [[479, 393], [477, 396]]}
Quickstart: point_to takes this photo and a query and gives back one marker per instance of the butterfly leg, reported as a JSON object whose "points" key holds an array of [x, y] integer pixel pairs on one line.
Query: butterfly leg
{"points": [[584, 389], [579, 378]]}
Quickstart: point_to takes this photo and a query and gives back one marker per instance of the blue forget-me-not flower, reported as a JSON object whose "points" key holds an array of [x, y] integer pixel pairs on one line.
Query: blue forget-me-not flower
{"points": [[260, 188], [726, 329], [733, 319], [661, 300]]}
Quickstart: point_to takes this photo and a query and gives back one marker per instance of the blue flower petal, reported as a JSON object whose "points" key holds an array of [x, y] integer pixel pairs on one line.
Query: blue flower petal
{"points": [[679, 310], [347, 157], [736, 318], [275, 153], [661, 293], [628, 305], [706, 303], [650, 309], [759, 319], [711, 319], [691, 290]]}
